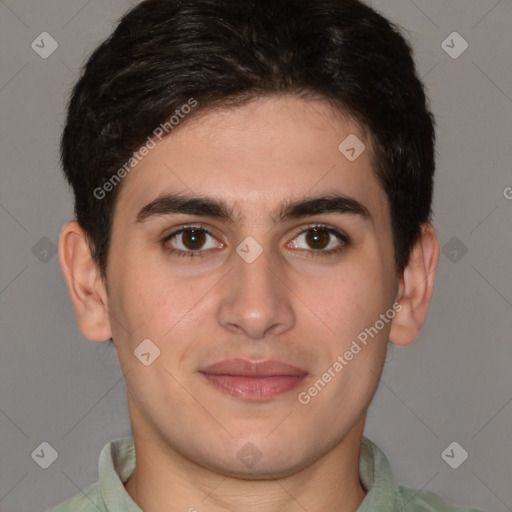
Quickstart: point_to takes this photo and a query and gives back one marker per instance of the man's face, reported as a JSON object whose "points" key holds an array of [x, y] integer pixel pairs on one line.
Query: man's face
{"points": [[302, 301]]}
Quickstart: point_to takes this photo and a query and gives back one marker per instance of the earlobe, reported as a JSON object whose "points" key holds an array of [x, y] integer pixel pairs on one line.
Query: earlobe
{"points": [[416, 288], [85, 286]]}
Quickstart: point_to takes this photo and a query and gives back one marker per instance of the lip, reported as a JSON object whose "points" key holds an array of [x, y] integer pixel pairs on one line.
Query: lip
{"points": [[253, 380]]}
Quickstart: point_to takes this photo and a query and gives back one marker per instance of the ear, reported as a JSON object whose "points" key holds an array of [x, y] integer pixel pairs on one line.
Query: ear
{"points": [[415, 288], [84, 283]]}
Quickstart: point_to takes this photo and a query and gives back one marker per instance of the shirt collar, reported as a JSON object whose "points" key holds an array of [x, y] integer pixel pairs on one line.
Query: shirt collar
{"points": [[377, 478], [117, 462]]}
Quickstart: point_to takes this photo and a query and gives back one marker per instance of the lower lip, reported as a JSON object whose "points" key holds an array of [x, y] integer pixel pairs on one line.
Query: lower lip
{"points": [[254, 388]]}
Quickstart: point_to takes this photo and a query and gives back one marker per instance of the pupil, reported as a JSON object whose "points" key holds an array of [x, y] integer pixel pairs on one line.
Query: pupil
{"points": [[193, 239], [317, 238]]}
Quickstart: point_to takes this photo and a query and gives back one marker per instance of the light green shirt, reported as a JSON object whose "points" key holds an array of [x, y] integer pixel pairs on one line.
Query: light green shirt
{"points": [[117, 462]]}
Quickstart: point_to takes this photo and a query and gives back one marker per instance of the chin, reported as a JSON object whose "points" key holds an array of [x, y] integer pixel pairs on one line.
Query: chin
{"points": [[261, 470]]}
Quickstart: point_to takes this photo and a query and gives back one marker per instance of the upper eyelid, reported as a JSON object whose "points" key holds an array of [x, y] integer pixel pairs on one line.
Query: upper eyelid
{"points": [[327, 227], [186, 227], [167, 238]]}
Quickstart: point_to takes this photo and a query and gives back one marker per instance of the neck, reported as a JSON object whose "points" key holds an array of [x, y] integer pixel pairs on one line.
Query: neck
{"points": [[165, 480]]}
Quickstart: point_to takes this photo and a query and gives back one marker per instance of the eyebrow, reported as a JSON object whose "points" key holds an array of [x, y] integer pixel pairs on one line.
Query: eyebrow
{"points": [[172, 204]]}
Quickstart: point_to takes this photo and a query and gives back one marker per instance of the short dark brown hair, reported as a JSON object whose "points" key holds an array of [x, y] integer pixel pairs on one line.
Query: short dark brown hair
{"points": [[227, 52]]}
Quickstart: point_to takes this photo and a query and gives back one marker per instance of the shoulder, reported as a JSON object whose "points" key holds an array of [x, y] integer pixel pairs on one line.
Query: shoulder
{"points": [[385, 495], [426, 501], [89, 500], [116, 464]]}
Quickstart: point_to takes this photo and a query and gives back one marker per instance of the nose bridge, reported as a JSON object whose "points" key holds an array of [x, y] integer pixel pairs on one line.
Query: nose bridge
{"points": [[255, 279], [255, 299]]}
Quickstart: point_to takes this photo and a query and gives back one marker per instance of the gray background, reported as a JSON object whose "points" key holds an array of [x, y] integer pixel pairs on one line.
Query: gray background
{"points": [[453, 384]]}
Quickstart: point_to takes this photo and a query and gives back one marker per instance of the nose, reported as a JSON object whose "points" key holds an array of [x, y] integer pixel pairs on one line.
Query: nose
{"points": [[255, 300]]}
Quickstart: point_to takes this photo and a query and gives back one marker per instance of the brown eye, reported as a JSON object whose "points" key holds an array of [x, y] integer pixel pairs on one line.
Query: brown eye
{"points": [[318, 238], [193, 239]]}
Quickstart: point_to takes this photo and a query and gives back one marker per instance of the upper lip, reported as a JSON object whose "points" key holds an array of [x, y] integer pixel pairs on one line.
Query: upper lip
{"points": [[246, 368]]}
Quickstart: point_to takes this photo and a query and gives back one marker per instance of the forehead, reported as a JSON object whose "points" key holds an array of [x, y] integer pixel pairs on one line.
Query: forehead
{"points": [[256, 156]]}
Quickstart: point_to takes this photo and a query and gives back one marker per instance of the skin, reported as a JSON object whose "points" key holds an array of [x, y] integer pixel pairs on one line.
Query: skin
{"points": [[289, 304]]}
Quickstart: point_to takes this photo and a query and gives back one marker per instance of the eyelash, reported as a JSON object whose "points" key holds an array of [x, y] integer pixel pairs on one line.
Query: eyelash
{"points": [[344, 239], [179, 252]]}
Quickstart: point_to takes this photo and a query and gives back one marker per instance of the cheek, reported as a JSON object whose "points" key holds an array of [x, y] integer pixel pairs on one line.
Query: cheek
{"points": [[149, 301], [352, 298], [139, 288]]}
